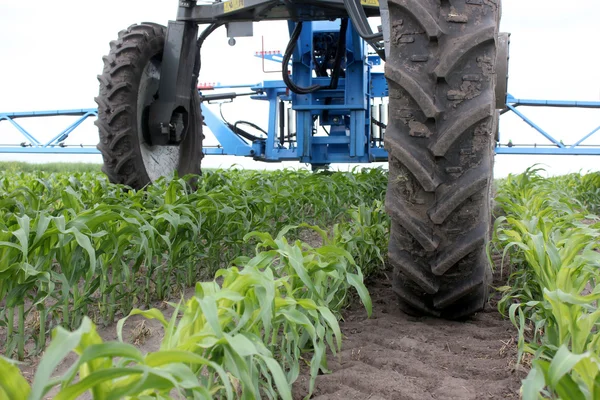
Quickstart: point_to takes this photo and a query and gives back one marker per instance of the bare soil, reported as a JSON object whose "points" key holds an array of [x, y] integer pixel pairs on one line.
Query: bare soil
{"points": [[396, 356]]}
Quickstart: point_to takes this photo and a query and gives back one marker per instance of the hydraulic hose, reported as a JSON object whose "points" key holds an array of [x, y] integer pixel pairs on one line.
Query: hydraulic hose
{"points": [[197, 63], [339, 56]]}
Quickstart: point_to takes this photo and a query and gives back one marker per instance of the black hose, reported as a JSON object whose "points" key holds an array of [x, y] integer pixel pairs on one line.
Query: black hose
{"points": [[289, 50], [281, 122], [378, 123], [243, 133], [197, 63], [339, 56], [240, 131], [258, 128]]}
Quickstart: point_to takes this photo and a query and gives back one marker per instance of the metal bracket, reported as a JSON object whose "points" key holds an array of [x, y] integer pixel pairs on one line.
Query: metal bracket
{"points": [[175, 90]]}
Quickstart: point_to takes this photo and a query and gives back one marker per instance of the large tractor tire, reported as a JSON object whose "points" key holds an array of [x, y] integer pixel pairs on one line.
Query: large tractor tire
{"points": [[128, 85], [440, 138]]}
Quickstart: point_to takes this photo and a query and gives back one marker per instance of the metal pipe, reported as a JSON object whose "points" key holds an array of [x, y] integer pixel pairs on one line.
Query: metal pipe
{"points": [[383, 117], [291, 122], [375, 129], [281, 122]]}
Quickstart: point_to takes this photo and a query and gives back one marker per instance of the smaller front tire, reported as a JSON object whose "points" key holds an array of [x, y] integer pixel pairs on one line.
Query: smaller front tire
{"points": [[128, 86]]}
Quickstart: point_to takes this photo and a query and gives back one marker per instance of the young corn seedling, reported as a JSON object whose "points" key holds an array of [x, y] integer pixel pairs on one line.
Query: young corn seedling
{"points": [[554, 287]]}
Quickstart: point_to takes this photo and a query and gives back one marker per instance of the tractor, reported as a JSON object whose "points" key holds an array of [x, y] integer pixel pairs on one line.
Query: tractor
{"points": [[444, 82]]}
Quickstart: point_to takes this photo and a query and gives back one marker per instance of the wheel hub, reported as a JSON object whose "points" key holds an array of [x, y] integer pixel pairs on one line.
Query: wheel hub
{"points": [[158, 160]]}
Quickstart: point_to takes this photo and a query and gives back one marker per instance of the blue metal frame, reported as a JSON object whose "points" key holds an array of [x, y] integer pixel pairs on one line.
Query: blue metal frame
{"points": [[556, 147], [346, 111], [268, 150], [54, 145]]}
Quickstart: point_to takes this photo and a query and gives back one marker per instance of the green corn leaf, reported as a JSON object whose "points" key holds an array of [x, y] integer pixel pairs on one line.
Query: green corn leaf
{"points": [[85, 242], [296, 260], [13, 385], [299, 318], [333, 324], [240, 369], [357, 282], [562, 363], [587, 371], [596, 387], [161, 358], [307, 304], [96, 352], [570, 298], [317, 229], [170, 328], [42, 224], [63, 342], [210, 312], [242, 345], [534, 383], [283, 387], [95, 379], [22, 234]]}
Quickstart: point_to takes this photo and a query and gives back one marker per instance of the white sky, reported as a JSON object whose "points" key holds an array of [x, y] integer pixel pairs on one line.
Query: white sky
{"points": [[51, 53]]}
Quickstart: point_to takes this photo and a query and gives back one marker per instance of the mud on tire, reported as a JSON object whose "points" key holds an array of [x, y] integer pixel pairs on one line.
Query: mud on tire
{"points": [[124, 83], [440, 136]]}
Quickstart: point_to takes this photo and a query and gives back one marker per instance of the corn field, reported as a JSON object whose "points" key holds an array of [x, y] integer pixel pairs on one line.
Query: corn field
{"points": [[549, 230], [273, 257], [76, 251]]}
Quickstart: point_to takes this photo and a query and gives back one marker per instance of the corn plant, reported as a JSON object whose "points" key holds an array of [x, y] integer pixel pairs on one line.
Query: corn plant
{"points": [[114, 370], [552, 294], [365, 235], [74, 245], [243, 338], [567, 375]]}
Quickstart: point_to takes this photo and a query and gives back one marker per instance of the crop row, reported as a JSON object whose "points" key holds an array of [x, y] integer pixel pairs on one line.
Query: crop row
{"points": [[242, 338], [73, 246], [551, 237]]}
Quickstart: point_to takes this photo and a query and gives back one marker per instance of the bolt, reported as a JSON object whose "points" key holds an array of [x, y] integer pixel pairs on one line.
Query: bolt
{"points": [[231, 41]]}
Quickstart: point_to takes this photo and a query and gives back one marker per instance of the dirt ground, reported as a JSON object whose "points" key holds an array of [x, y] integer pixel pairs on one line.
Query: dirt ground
{"points": [[398, 357]]}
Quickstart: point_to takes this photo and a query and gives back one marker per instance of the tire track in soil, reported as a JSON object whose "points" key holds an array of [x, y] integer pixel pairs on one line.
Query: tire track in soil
{"points": [[396, 356]]}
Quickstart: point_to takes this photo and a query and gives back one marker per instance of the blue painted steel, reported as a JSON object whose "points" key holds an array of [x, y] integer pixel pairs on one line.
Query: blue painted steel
{"points": [[273, 91], [49, 113], [49, 150], [278, 57], [54, 145], [551, 103], [21, 129], [558, 148], [535, 126], [585, 137], [346, 109], [230, 142], [553, 151]]}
